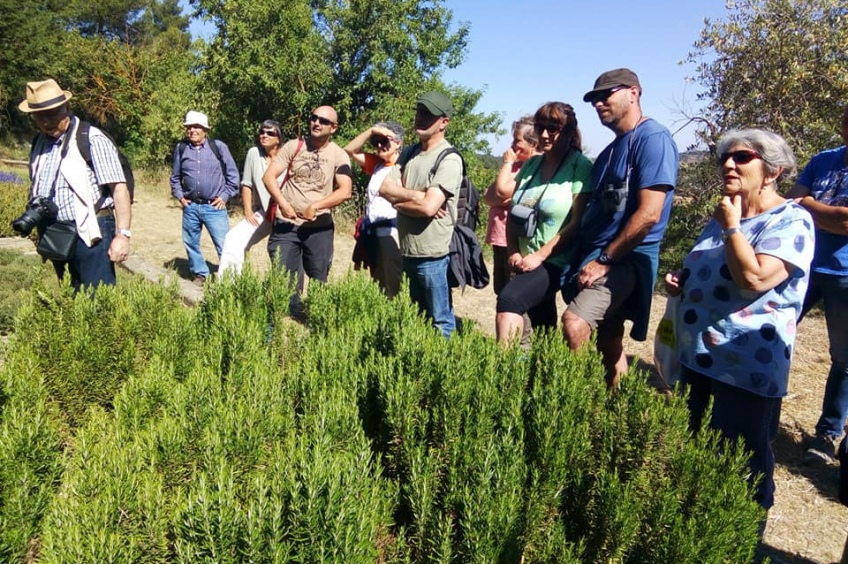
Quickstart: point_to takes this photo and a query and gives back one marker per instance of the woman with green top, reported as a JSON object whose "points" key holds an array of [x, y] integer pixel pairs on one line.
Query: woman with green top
{"points": [[553, 187]]}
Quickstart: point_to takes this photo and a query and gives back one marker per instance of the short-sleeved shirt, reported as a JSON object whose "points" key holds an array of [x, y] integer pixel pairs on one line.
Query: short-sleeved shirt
{"points": [[312, 176], [255, 166], [827, 178], [45, 160], [740, 337], [429, 237], [557, 195], [377, 208], [496, 225], [649, 154]]}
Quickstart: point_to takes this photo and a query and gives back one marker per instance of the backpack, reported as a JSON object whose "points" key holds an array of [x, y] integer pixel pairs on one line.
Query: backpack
{"points": [[215, 149], [84, 145], [467, 267]]}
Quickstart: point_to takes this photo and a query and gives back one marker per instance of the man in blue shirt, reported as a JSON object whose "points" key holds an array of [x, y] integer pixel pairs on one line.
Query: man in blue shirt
{"points": [[822, 188], [615, 268], [203, 179]]}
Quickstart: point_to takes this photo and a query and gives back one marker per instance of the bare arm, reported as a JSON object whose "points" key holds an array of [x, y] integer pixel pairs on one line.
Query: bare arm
{"points": [[428, 206], [833, 219], [119, 249], [269, 179], [343, 191], [563, 238], [750, 271], [392, 191], [651, 201], [354, 148]]}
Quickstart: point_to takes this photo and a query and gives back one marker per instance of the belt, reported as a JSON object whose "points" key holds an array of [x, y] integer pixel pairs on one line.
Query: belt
{"points": [[106, 212], [200, 201]]}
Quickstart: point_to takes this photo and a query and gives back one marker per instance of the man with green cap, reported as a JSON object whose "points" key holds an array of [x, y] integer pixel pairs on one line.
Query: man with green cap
{"points": [[426, 206]]}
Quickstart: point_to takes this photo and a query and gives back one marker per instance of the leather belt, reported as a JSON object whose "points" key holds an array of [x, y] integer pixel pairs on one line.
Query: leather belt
{"points": [[106, 212]]}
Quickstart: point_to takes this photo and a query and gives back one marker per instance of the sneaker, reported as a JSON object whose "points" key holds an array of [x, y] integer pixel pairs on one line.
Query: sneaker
{"points": [[199, 280], [823, 447]]}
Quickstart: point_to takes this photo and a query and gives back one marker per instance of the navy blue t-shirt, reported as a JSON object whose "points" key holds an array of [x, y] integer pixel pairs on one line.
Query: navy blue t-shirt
{"points": [[652, 157]]}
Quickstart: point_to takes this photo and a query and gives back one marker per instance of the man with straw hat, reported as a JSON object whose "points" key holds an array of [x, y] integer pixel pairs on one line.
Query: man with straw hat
{"points": [[67, 188]]}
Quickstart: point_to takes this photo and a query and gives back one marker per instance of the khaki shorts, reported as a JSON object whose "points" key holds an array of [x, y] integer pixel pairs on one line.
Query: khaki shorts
{"points": [[600, 305]]}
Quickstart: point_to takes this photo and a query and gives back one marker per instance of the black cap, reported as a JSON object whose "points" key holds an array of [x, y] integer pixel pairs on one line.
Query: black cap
{"points": [[611, 79]]}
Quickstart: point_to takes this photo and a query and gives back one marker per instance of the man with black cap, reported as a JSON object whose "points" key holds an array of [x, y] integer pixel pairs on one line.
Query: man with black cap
{"points": [[615, 268], [88, 196], [203, 179], [426, 206]]}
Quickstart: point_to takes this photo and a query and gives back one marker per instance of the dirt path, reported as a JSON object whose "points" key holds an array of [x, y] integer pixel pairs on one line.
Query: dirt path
{"points": [[807, 524]]}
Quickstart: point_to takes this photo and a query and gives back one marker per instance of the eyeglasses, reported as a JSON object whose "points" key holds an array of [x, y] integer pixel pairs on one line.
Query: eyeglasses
{"points": [[604, 94], [322, 120], [377, 142], [551, 128], [742, 156], [268, 132]]}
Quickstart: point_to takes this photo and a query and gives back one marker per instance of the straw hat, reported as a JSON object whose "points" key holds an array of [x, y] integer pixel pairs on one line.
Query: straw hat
{"points": [[43, 95]]}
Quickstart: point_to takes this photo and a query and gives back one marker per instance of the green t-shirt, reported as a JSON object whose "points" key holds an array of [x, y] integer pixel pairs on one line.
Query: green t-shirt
{"points": [[427, 237], [553, 210]]}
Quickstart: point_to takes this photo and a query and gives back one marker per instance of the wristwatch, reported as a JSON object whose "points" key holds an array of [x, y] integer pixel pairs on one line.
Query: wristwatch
{"points": [[725, 235], [605, 259], [125, 232]]}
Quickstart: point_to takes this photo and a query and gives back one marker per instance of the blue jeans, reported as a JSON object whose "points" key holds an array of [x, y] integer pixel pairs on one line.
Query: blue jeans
{"points": [[833, 289], [91, 266], [428, 287], [195, 216]]}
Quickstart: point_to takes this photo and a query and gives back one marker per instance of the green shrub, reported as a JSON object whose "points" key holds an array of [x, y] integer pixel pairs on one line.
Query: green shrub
{"points": [[233, 435], [13, 200]]}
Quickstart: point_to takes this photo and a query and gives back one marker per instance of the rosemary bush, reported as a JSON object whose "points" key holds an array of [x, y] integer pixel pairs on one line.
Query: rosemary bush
{"points": [[226, 433]]}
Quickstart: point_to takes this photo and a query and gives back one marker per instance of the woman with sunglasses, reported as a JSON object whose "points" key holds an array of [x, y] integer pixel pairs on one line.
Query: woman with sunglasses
{"points": [[741, 290], [378, 230], [555, 185], [255, 199]]}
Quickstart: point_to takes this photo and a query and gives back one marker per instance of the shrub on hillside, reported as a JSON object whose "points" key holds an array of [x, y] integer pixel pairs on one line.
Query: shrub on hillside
{"points": [[234, 435], [13, 200]]}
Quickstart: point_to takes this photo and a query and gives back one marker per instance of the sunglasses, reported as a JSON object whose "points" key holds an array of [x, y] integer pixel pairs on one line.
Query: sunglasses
{"points": [[322, 120], [742, 156], [268, 132], [551, 128], [604, 94], [382, 141]]}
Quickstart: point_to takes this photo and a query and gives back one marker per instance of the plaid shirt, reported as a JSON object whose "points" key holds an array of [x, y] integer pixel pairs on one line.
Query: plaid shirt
{"points": [[44, 168]]}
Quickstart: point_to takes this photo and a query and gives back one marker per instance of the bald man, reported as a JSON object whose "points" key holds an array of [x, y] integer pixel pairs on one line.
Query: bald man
{"points": [[319, 178]]}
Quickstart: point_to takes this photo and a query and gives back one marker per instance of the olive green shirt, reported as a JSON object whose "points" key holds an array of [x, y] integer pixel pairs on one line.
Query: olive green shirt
{"points": [[428, 237]]}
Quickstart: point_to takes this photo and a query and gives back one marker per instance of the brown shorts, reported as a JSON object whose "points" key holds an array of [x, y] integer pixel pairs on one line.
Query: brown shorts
{"points": [[600, 305]]}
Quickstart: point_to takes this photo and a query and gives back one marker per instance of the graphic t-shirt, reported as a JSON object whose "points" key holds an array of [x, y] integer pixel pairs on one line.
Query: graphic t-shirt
{"points": [[557, 195], [312, 177], [743, 338], [827, 178]]}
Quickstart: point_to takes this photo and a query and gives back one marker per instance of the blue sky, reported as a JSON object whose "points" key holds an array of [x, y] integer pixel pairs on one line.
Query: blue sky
{"points": [[523, 53], [527, 52]]}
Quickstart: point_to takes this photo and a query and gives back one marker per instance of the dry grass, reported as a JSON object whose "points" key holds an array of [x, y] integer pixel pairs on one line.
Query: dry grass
{"points": [[807, 523]]}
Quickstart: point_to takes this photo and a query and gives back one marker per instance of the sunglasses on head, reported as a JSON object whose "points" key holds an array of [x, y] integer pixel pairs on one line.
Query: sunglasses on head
{"points": [[604, 94], [551, 128], [321, 120], [268, 132], [742, 156]]}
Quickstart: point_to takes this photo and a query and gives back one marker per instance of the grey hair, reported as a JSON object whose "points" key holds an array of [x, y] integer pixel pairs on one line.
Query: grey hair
{"points": [[394, 127], [524, 127], [775, 151]]}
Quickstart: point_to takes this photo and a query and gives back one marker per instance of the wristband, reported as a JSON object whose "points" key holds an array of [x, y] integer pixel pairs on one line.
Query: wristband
{"points": [[725, 235], [604, 259]]}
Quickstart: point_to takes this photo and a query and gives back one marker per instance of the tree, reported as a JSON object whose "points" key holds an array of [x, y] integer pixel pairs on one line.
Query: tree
{"points": [[778, 64], [370, 59]]}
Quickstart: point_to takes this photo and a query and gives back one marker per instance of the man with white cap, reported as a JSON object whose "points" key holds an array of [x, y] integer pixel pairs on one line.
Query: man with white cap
{"points": [[633, 183], [86, 193], [204, 178]]}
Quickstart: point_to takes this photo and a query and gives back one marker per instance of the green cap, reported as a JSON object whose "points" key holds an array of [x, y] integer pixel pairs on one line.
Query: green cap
{"points": [[437, 104]]}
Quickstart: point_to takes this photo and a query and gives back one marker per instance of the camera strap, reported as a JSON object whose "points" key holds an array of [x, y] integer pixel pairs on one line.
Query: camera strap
{"points": [[548, 183], [36, 168]]}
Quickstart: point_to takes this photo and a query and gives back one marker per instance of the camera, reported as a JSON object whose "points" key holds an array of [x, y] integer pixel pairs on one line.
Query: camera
{"points": [[39, 212]]}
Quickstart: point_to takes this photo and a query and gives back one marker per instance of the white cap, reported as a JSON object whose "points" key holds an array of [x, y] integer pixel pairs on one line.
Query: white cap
{"points": [[196, 118]]}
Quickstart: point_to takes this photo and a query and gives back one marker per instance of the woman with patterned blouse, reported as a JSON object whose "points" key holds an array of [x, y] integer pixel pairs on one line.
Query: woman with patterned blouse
{"points": [[741, 290]]}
